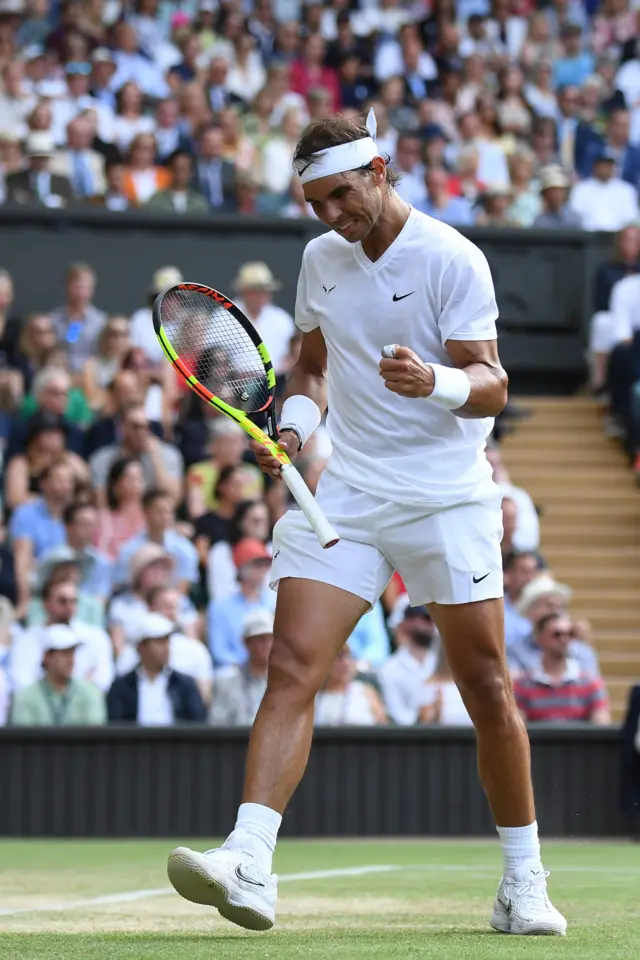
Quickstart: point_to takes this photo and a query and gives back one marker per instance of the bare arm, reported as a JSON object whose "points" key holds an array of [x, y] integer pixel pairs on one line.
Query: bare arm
{"points": [[409, 376], [16, 483], [95, 394], [23, 563], [308, 377], [164, 480]]}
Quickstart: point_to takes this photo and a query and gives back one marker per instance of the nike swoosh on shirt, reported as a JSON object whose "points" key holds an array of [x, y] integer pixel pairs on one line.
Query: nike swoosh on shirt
{"points": [[479, 579], [404, 295]]}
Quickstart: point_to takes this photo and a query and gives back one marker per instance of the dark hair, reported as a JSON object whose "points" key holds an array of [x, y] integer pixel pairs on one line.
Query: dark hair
{"points": [[236, 534], [544, 621], [115, 160], [52, 581], [71, 512], [44, 422], [514, 555], [331, 132], [156, 493], [117, 471], [222, 478], [178, 152]]}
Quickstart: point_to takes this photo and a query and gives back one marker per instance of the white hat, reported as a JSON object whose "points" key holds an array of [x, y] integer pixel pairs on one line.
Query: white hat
{"points": [[553, 176], [164, 278], [151, 626], [542, 586], [256, 623], [59, 637], [40, 144], [255, 276]]}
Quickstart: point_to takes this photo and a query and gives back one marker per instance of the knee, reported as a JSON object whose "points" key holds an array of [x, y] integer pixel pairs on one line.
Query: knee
{"points": [[486, 691], [291, 670]]}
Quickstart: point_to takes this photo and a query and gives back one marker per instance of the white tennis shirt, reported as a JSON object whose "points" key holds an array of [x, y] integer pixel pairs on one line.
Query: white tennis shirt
{"points": [[431, 285]]}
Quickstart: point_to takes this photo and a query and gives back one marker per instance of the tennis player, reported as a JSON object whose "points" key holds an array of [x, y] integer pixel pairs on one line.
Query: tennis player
{"points": [[398, 313]]}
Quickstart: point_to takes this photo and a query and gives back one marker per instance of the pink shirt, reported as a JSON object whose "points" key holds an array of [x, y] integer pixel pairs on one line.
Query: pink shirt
{"points": [[115, 527], [303, 79]]}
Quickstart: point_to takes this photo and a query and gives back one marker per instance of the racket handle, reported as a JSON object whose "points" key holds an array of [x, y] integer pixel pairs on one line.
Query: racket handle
{"points": [[389, 351], [307, 503]]}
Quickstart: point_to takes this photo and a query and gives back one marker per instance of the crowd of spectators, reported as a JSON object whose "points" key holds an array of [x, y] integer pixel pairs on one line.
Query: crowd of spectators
{"points": [[496, 112], [135, 545]]}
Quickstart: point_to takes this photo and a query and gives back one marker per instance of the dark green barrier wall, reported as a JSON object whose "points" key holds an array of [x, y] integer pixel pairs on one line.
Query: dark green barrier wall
{"points": [[543, 279]]}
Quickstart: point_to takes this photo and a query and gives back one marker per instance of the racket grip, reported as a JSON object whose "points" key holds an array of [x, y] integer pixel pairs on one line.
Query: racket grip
{"points": [[389, 351], [307, 503]]}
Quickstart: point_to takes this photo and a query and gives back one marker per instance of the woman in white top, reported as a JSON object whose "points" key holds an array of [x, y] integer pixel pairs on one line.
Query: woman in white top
{"points": [[345, 700], [275, 157], [113, 345], [129, 120], [247, 75], [442, 701], [251, 519]]}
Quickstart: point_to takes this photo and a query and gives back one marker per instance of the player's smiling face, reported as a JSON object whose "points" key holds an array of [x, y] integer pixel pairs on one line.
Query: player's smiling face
{"points": [[349, 203]]}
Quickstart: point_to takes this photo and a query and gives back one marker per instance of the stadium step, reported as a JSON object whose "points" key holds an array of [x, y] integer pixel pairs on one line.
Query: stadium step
{"points": [[590, 523]]}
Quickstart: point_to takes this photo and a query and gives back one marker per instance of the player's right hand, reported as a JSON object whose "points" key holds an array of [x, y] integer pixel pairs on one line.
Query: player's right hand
{"points": [[289, 442]]}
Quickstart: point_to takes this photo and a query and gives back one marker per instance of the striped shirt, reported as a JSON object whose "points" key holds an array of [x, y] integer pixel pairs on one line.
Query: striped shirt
{"points": [[574, 696]]}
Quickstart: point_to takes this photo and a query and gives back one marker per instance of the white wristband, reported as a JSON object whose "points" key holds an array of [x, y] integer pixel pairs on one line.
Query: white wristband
{"points": [[301, 414], [451, 388]]}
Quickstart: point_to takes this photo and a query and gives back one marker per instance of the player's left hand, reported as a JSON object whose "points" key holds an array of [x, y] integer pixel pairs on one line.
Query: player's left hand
{"points": [[406, 374]]}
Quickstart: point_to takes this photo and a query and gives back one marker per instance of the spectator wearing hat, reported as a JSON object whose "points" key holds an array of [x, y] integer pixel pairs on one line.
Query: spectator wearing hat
{"points": [[150, 567], [161, 462], [256, 285], [78, 324], [160, 520], [495, 202], [541, 596], [441, 204], [94, 659], [179, 196], [404, 675], [76, 100], [142, 332], [58, 699], [103, 67], [215, 178], [57, 566], [186, 654], [554, 193], [238, 690], [603, 201], [79, 162], [154, 694], [36, 526], [36, 184], [346, 699], [226, 616], [558, 689]]}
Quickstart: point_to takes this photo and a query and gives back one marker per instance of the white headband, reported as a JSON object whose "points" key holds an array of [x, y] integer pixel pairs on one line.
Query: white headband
{"points": [[340, 159]]}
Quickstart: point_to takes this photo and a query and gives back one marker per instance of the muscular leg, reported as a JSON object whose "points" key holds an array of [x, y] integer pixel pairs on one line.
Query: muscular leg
{"points": [[313, 621], [473, 636]]}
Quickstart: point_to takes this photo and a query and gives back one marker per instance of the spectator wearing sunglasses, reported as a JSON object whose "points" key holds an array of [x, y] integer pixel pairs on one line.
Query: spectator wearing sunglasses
{"points": [[559, 690]]}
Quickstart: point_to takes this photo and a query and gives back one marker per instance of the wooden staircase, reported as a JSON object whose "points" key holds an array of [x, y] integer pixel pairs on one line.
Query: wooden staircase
{"points": [[590, 525]]}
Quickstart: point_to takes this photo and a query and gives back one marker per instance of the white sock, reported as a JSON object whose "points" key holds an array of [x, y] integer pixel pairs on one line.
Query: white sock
{"points": [[518, 845], [256, 832]]}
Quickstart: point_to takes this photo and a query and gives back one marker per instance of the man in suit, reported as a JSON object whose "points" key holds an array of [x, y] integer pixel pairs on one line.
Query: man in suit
{"points": [[153, 694], [180, 197], [37, 184], [81, 165], [616, 141], [215, 178]]}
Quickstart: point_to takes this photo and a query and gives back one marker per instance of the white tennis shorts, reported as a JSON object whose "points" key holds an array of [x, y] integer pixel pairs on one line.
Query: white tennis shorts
{"points": [[449, 555]]}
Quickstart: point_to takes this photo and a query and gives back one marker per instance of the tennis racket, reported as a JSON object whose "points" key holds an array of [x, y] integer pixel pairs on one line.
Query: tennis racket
{"points": [[220, 355]]}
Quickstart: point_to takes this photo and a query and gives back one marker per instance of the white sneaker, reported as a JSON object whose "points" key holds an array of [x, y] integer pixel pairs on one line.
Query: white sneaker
{"points": [[522, 905], [232, 881]]}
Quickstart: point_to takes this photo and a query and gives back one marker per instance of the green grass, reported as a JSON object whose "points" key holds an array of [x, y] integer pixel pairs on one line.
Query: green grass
{"points": [[435, 906]]}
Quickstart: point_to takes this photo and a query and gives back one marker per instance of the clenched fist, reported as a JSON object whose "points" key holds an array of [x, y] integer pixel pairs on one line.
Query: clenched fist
{"points": [[406, 374]]}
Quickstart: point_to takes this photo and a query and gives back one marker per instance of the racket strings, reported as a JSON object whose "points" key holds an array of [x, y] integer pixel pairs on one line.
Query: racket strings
{"points": [[216, 349]]}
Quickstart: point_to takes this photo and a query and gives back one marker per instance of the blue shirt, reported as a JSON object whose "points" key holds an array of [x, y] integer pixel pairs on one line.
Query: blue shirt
{"points": [[370, 640], [182, 550], [97, 580], [34, 522], [571, 71], [458, 212], [225, 619]]}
